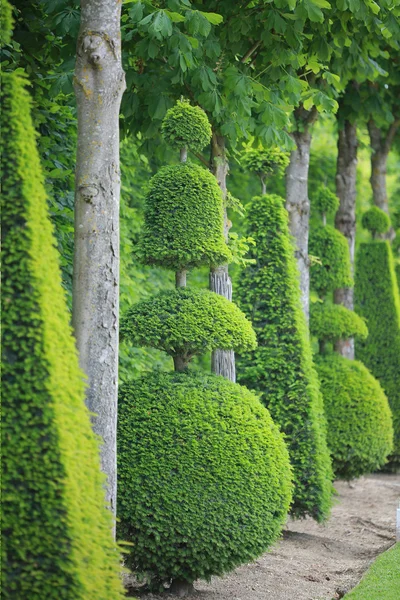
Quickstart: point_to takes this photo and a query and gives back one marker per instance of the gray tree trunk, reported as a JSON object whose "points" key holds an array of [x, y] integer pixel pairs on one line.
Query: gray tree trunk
{"points": [[345, 220], [99, 84], [222, 361], [297, 201]]}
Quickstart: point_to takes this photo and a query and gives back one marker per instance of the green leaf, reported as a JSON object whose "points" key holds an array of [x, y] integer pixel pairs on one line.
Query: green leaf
{"points": [[212, 18], [175, 17]]}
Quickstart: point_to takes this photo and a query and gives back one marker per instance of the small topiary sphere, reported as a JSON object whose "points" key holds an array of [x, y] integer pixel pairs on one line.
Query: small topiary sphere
{"points": [[376, 220], [186, 126], [331, 322], [334, 269], [188, 322], [183, 225], [204, 476], [325, 201], [265, 161], [360, 432]]}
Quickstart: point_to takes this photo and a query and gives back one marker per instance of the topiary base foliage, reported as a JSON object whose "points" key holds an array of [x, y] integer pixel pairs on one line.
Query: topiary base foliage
{"points": [[204, 476], [360, 432]]}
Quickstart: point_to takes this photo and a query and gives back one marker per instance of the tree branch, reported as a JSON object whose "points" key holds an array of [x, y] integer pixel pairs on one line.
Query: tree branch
{"points": [[251, 51], [390, 134]]}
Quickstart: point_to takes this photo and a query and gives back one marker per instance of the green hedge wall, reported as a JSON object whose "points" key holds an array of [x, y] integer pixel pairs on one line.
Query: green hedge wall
{"points": [[56, 531], [360, 432], [377, 300], [334, 269], [204, 476], [281, 367]]}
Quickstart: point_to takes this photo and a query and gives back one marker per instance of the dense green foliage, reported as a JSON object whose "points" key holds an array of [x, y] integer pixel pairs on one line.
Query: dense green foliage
{"points": [[6, 22], [332, 322], [204, 475], [188, 322], [325, 201], [281, 367], [186, 126], [333, 270], [377, 300], [57, 541], [183, 225], [265, 161], [360, 432], [375, 220], [382, 580]]}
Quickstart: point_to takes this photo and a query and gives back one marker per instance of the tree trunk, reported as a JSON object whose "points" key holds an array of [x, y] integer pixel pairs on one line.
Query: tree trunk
{"points": [[297, 202], [222, 361], [345, 220], [99, 85]]}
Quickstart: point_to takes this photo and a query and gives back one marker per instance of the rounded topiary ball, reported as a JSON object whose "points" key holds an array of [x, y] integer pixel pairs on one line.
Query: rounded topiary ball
{"points": [[204, 480], [333, 322], [334, 268], [183, 226], [375, 220], [188, 322], [360, 432], [325, 201], [186, 126], [265, 161]]}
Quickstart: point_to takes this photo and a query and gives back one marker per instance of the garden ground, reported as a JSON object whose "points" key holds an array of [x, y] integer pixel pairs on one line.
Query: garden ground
{"points": [[318, 562]]}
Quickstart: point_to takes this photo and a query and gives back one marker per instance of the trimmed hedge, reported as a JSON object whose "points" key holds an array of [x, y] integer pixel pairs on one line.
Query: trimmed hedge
{"points": [[57, 541], [360, 432], [281, 367], [332, 322], [183, 220], [375, 220], [6, 22], [186, 126], [325, 201], [188, 322], [334, 269], [204, 476], [377, 300]]}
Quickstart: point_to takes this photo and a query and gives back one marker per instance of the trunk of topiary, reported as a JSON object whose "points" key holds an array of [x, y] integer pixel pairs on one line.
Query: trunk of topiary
{"points": [[297, 202], [345, 220], [99, 85], [181, 588], [222, 361]]}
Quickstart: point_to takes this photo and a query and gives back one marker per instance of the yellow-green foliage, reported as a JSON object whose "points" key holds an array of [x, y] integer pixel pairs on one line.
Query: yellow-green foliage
{"points": [[325, 201], [281, 367], [360, 432], [333, 269], [186, 126], [377, 300], [183, 219], [204, 475], [332, 322], [375, 220], [265, 161], [57, 541], [188, 322], [6, 22]]}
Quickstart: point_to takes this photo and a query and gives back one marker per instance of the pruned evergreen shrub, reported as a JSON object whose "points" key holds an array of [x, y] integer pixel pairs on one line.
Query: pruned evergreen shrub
{"points": [[281, 367], [333, 269], [6, 22], [332, 322], [186, 126], [325, 201], [360, 432], [377, 300], [375, 220], [57, 541], [204, 476], [265, 161], [188, 322]]}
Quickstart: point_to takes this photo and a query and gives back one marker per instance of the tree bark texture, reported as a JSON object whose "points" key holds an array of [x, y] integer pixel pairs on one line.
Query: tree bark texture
{"points": [[345, 220], [297, 201], [380, 146], [99, 84], [222, 361]]}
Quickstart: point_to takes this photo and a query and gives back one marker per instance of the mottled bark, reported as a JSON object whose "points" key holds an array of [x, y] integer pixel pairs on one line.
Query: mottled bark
{"points": [[297, 201], [345, 220], [180, 278], [222, 361], [99, 84]]}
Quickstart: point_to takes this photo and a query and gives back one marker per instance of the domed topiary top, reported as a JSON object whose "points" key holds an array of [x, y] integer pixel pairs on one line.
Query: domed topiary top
{"points": [[186, 126], [325, 201], [187, 322], [334, 270], [265, 161], [375, 220], [183, 220], [331, 322]]}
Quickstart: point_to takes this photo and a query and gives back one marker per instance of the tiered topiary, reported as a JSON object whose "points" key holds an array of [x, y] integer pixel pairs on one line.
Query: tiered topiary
{"points": [[360, 433], [56, 532], [265, 162], [204, 474], [377, 300], [281, 367]]}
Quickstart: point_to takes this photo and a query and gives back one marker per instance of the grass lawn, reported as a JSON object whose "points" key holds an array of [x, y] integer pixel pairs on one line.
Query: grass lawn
{"points": [[382, 580]]}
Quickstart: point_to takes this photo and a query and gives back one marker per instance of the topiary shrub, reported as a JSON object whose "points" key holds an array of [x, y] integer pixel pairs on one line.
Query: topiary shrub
{"points": [[360, 432], [281, 367], [325, 201], [376, 221], [186, 126], [333, 269], [332, 322], [205, 475], [176, 235], [265, 161], [377, 300], [6, 22], [57, 541], [188, 322]]}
